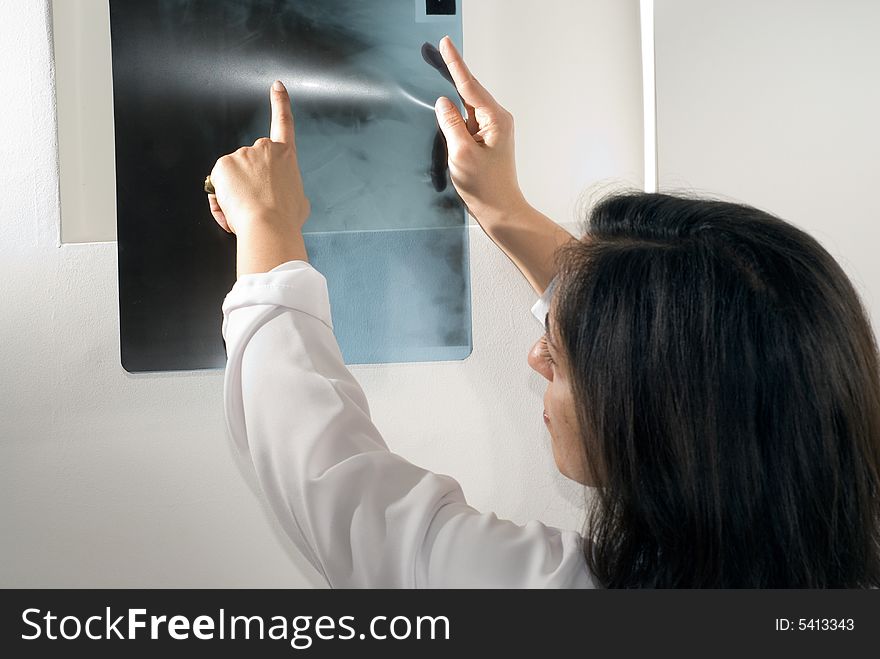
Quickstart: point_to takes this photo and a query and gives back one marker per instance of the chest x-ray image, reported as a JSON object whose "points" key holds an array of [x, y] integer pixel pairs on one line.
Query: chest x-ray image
{"points": [[387, 229]]}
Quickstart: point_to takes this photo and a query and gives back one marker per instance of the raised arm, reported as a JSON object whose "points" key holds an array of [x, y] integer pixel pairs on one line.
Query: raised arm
{"points": [[482, 165], [361, 514], [260, 197]]}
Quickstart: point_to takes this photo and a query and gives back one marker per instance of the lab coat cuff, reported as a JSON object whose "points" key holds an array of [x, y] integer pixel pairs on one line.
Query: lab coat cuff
{"points": [[542, 306], [293, 285]]}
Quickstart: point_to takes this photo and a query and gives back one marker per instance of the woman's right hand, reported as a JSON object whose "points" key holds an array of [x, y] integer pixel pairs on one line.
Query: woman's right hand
{"points": [[482, 161]]}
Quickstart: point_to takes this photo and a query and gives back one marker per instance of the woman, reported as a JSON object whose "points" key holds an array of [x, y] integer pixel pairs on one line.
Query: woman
{"points": [[709, 369]]}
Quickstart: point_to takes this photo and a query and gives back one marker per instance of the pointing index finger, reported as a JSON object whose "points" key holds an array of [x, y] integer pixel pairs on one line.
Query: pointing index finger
{"points": [[282, 117], [470, 89]]}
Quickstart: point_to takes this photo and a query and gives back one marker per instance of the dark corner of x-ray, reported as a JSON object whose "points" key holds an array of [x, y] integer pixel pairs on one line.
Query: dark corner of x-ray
{"points": [[387, 229]]}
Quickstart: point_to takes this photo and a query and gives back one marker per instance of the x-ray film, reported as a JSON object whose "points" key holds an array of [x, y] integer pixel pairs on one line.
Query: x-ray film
{"points": [[388, 231]]}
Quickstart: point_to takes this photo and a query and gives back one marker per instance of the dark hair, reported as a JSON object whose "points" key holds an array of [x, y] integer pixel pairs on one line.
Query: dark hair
{"points": [[728, 394]]}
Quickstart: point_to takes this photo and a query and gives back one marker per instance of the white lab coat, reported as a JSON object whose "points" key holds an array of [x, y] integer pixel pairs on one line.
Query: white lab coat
{"points": [[362, 515]]}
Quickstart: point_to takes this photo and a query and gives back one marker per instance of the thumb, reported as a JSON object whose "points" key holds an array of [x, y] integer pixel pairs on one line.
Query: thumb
{"points": [[452, 124]]}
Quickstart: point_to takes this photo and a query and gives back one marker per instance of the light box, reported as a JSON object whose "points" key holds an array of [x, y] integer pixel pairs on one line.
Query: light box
{"points": [[388, 231]]}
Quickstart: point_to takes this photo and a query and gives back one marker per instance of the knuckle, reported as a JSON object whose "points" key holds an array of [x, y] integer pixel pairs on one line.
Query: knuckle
{"points": [[504, 119], [470, 82], [452, 118], [220, 166], [456, 152]]}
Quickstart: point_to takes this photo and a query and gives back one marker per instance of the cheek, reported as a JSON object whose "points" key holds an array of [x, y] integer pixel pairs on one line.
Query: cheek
{"points": [[565, 413], [560, 408], [562, 422], [557, 398]]}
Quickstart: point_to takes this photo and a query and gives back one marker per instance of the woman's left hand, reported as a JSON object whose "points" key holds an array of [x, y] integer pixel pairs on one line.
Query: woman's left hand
{"points": [[260, 187]]}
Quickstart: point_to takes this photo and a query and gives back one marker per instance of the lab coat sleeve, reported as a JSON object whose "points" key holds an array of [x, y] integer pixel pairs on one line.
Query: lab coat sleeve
{"points": [[542, 306], [362, 515]]}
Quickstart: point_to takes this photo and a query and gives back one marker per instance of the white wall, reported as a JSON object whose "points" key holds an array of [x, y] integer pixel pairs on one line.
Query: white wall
{"points": [[777, 104], [110, 479]]}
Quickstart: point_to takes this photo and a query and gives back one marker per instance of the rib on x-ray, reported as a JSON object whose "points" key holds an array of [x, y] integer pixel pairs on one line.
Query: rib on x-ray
{"points": [[191, 81]]}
